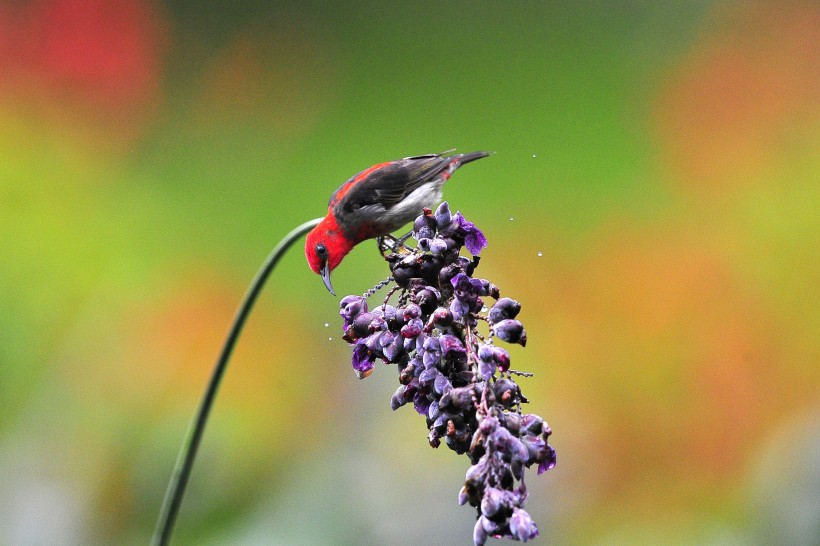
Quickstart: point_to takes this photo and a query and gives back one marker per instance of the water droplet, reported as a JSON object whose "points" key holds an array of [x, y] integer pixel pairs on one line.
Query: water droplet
{"points": [[533, 155], [326, 325], [540, 253], [330, 339], [511, 218]]}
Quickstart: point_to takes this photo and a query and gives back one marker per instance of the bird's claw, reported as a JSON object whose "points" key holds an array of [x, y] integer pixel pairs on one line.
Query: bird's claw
{"points": [[388, 244]]}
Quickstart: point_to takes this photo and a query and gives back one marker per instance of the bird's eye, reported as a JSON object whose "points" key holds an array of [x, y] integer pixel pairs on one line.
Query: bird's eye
{"points": [[321, 251]]}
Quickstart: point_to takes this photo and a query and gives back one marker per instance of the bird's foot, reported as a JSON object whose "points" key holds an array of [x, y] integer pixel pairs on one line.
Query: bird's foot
{"points": [[389, 244]]}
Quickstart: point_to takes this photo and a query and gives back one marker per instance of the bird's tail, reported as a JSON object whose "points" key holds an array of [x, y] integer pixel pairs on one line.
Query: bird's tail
{"points": [[466, 158]]}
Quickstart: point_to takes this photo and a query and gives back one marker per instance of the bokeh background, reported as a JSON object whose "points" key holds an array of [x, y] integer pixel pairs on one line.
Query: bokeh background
{"points": [[652, 201]]}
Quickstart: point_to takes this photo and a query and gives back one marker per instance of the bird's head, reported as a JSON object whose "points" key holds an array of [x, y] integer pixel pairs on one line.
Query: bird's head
{"points": [[325, 247]]}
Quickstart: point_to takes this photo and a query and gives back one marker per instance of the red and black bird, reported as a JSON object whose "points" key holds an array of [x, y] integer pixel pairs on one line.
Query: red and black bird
{"points": [[376, 202]]}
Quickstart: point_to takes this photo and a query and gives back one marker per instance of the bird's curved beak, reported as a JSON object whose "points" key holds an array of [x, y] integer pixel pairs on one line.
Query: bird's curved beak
{"points": [[325, 272]]}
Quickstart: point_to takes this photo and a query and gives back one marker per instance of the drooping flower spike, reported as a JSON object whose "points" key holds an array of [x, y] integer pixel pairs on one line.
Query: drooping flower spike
{"points": [[452, 373]]}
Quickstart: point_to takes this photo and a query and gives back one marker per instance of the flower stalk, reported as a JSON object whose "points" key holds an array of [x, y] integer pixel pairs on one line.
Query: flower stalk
{"points": [[190, 446]]}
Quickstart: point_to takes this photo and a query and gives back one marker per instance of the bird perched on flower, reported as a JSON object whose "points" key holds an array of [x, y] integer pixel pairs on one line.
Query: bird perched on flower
{"points": [[377, 201]]}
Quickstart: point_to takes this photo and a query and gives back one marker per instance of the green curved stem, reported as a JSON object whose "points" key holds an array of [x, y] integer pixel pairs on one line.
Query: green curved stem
{"points": [[187, 453]]}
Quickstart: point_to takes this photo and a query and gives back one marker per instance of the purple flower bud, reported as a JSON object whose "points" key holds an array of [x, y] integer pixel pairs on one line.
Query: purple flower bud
{"points": [[431, 344], [511, 331], [411, 311], [440, 317], [492, 502], [421, 403], [465, 288], [431, 358], [386, 339], [482, 286], [512, 422], [441, 420], [433, 412], [424, 221], [430, 267], [518, 455], [506, 392], [407, 374], [409, 343], [505, 308], [350, 307], [479, 534], [387, 312], [457, 399], [377, 323], [459, 309], [493, 291], [428, 376], [438, 247], [451, 347], [485, 352], [488, 425], [432, 352], [361, 324], [486, 369], [521, 525], [397, 400], [347, 300], [403, 273], [392, 346], [427, 299], [447, 273], [443, 215], [441, 385], [412, 329], [474, 473], [532, 424], [535, 445], [461, 283], [373, 342], [502, 358], [463, 496], [489, 525]]}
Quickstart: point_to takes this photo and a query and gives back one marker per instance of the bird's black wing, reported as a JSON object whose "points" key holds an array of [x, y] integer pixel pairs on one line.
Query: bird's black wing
{"points": [[388, 185]]}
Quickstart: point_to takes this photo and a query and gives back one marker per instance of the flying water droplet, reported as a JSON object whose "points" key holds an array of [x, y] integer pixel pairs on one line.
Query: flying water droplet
{"points": [[540, 253], [511, 218], [326, 325]]}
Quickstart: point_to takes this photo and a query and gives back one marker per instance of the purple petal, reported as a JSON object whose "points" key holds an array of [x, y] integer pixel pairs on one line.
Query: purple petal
{"points": [[549, 461], [474, 240], [362, 358]]}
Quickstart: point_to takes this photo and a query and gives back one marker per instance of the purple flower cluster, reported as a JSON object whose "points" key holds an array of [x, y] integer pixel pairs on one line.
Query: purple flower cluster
{"points": [[451, 372]]}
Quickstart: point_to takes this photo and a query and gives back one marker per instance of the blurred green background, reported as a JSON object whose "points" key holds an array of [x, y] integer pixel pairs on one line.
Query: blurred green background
{"points": [[652, 201]]}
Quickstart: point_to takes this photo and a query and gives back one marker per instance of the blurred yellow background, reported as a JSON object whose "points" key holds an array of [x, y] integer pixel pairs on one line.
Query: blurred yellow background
{"points": [[652, 202]]}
